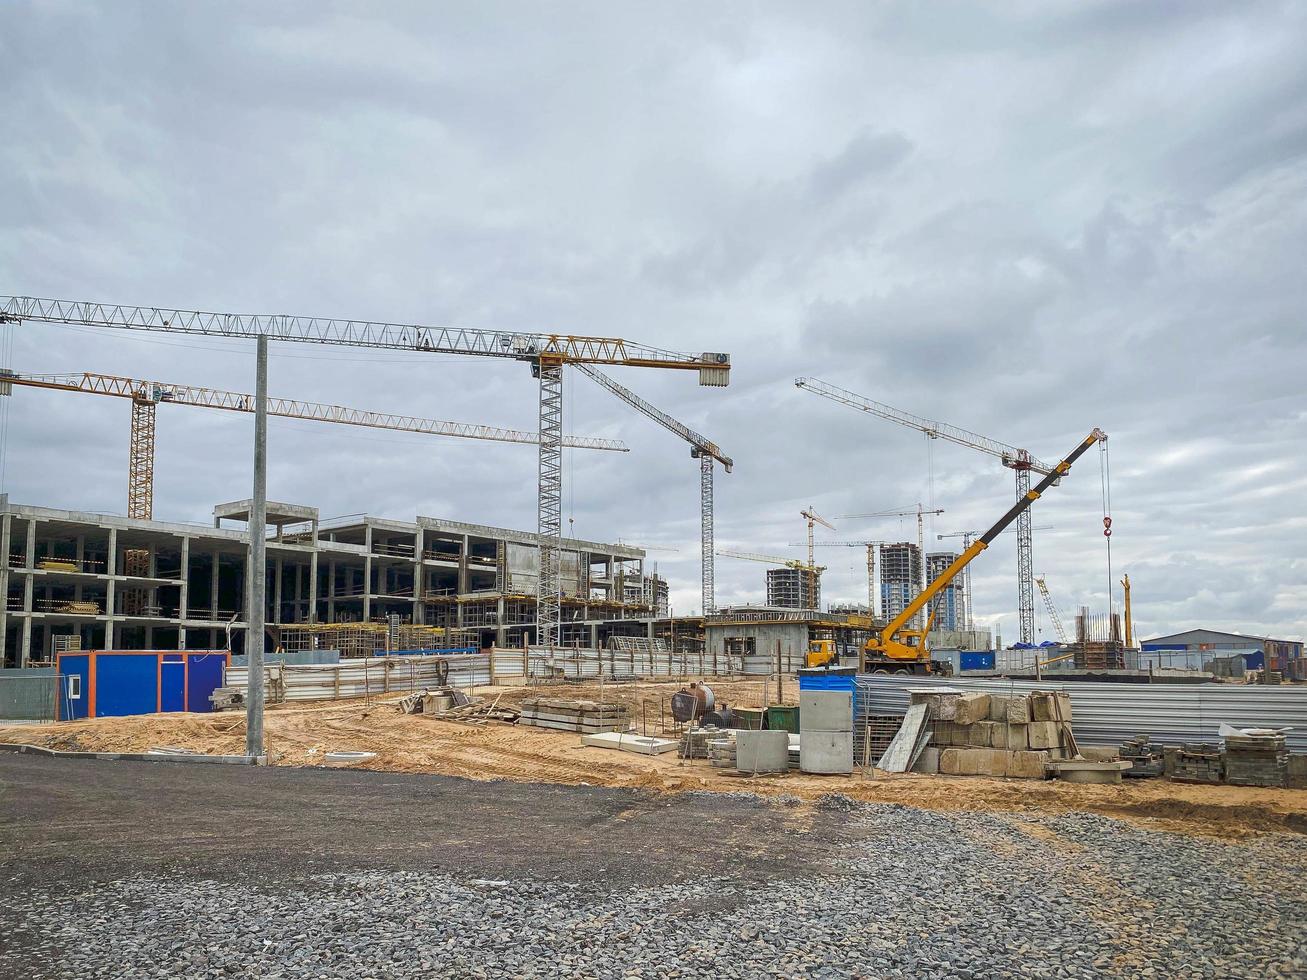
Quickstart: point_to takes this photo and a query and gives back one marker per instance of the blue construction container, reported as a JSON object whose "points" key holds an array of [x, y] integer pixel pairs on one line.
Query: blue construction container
{"points": [[822, 679], [112, 683], [976, 660]]}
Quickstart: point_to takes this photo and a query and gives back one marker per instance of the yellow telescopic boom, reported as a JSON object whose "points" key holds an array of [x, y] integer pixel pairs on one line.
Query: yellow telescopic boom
{"points": [[887, 644]]}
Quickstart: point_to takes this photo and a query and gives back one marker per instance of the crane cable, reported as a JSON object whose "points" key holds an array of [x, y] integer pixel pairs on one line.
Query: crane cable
{"points": [[1105, 480]]}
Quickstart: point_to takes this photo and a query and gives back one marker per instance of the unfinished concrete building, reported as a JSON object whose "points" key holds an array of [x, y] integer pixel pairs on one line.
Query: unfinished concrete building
{"points": [[105, 582], [900, 577], [948, 604], [793, 588]]}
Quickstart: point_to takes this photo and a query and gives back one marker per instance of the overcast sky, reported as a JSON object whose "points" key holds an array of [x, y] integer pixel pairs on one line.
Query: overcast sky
{"points": [[1028, 219]]}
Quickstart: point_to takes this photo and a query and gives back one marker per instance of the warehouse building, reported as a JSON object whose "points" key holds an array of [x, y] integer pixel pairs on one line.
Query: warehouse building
{"points": [[1196, 649]]}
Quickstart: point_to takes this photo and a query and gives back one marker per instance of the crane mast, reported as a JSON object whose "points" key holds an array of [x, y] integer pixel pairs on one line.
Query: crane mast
{"points": [[1054, 616], [701, 448], [813, 518], [546, 353], [1020, 461]]}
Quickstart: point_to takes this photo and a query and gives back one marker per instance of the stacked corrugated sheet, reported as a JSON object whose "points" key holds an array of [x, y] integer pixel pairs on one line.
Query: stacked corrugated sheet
{"points": [[1108, 714], [357, 677]]}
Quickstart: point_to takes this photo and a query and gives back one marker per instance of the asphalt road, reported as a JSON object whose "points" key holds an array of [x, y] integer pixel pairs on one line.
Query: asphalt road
{"points": [[130, 870]]}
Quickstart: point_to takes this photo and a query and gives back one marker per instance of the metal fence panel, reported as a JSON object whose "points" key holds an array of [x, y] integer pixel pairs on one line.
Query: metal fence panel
{"points": [[1108, 714], [27, 696]]}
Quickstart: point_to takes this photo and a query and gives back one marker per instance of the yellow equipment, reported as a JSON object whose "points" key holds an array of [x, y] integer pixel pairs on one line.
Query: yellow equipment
{"points": [[1129, 623], [820, 653], [893, 647]]}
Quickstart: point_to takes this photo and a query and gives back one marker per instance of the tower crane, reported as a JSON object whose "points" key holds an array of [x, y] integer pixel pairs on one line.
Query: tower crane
{"points": [[1020, 461], [1054, 616], [811, 516], [700, 448], [920, 513], [814, 571], [546, 353], [146, 396], [886, 650]]}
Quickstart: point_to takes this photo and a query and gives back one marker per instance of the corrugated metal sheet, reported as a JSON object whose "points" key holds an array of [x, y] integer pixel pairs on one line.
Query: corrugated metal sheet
{"points": [[1107, 714], [365, 675]]}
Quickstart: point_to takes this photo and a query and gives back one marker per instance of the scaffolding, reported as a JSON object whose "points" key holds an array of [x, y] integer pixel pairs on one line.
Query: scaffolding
{"points": [[372, 638]]}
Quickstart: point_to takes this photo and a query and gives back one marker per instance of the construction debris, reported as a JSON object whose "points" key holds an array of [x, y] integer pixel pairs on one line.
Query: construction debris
{"points": [[1146, 757], [588, 717]]}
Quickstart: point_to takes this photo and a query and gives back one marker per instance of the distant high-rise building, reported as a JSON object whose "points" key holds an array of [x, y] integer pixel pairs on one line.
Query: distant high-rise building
{"points": [[900, 577], [648, 590], [948, 602], [788, 588]]}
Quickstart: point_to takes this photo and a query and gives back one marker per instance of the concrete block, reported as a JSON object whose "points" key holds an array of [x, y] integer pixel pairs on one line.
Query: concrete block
{"points": [[1026, 765], [965, 762], [928, 761], [1014, 709], [1050, 706], [762, 751], [826, 711], [946, 708], [639, 744], [971, 708], [985, 734], [823, 753], [1042, 735], [1091, 772], [1296, 777]]}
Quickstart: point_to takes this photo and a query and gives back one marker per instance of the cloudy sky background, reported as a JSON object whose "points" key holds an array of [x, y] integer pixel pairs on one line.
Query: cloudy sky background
{"points": [[1028, 219]]}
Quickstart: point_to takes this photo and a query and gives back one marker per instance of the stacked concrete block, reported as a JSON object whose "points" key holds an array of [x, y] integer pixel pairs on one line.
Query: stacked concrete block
{"points": [[1256, 759], [826, 732], [1198, 762], [998, 734]]}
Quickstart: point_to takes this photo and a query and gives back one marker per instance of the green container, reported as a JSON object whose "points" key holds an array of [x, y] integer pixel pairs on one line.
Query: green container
{"points": [[748, 718], [783, 718]]}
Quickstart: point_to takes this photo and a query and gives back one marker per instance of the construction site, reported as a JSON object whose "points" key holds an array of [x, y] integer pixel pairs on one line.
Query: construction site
{"points": [[653, 491], [447, 649]]}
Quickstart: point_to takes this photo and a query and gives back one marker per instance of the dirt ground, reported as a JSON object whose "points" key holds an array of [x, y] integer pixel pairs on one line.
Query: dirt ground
{"points": [[300, 734]]}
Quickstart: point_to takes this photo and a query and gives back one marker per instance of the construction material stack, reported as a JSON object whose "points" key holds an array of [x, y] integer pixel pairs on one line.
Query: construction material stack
{"points": [[1199, 762], [1016, 735], [1256, 757], [587, 717]]}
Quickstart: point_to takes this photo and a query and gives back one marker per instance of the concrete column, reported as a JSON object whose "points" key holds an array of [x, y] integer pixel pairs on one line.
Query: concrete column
{"points": [[462, 568], [81, 556], [6, 530], [213, 588], [313, 587], [331, 590], [367, 572], [25, 652], [418, 573], [184, 598], [111, 587], [297, 616], [276, 589]]}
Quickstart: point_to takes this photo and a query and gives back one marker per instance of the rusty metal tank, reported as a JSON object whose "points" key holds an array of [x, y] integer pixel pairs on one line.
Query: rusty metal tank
{"points": [[692, 702]]}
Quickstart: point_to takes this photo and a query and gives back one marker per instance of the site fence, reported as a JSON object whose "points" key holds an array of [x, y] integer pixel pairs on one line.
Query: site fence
{"points": [[26, 695], [1108, 714]]}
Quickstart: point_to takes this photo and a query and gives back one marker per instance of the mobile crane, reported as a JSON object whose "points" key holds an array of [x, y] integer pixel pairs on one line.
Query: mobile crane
{"points": [[893, 648]]}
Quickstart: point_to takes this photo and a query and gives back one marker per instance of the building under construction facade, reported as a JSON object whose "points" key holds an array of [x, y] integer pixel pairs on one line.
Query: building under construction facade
{"points": [[793, 588], [99, 582], [900, 577], [947, 606]]}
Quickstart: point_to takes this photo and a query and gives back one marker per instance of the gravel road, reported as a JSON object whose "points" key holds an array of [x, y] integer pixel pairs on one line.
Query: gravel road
{"points": [[441, 877]]}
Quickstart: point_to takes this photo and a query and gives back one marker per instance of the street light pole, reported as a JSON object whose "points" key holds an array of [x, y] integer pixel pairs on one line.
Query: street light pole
{"points": [[258, 587]]}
